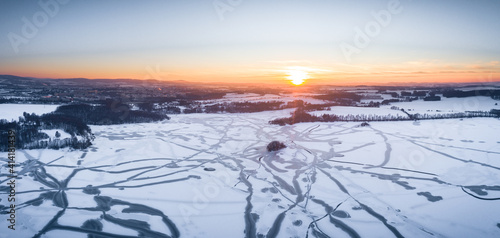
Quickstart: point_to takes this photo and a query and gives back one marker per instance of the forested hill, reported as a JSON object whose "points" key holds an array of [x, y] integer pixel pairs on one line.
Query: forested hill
{"points": [[72, 119], [109, 113], [29, 132]]}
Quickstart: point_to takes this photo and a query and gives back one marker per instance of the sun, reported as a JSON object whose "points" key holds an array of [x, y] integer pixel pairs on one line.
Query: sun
{"points": [[297, 77]]}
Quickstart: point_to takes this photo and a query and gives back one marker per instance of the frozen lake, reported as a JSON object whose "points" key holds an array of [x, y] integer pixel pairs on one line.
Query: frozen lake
{"points": [[209, 175]]}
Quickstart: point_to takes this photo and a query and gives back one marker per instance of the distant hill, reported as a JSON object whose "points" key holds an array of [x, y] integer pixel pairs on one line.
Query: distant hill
{"points": [[13, 79]]}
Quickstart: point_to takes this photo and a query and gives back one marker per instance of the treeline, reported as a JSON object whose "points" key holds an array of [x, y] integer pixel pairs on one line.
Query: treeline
{"points": [[49, 101], [455, 115], [414, 94], [7, 100], [249, 107], [495, 94], [432, 98], [300, 115], [344, 98], [29, 135], [244, 107], [112, 112], [495, 112]]}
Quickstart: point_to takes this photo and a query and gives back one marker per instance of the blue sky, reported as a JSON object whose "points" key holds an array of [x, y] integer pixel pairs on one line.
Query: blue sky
{"points": [[255, 40]]}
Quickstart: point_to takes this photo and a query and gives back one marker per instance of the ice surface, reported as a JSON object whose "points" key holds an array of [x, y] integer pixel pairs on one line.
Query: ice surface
{"points": [[209, 175]]}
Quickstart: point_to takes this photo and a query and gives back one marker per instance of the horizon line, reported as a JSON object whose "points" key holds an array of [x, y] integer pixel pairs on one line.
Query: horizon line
{"points": [[358, 84]]}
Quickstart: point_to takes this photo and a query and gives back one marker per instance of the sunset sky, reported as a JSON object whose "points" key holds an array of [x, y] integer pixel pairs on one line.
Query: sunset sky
{"points": [[261, 41]]}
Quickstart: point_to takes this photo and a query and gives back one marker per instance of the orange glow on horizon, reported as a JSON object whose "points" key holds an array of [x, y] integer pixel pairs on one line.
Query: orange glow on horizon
{"points": [[348, 75]]}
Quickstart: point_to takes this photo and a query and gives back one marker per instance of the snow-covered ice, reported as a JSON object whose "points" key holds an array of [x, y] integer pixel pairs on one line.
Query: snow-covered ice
{"points": [[209, 175]]}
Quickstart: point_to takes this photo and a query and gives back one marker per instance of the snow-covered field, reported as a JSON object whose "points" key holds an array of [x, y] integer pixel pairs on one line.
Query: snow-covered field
{"points": [[209, 175], [14, 111], [343, 111], [445, 106], [449, 105]]}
